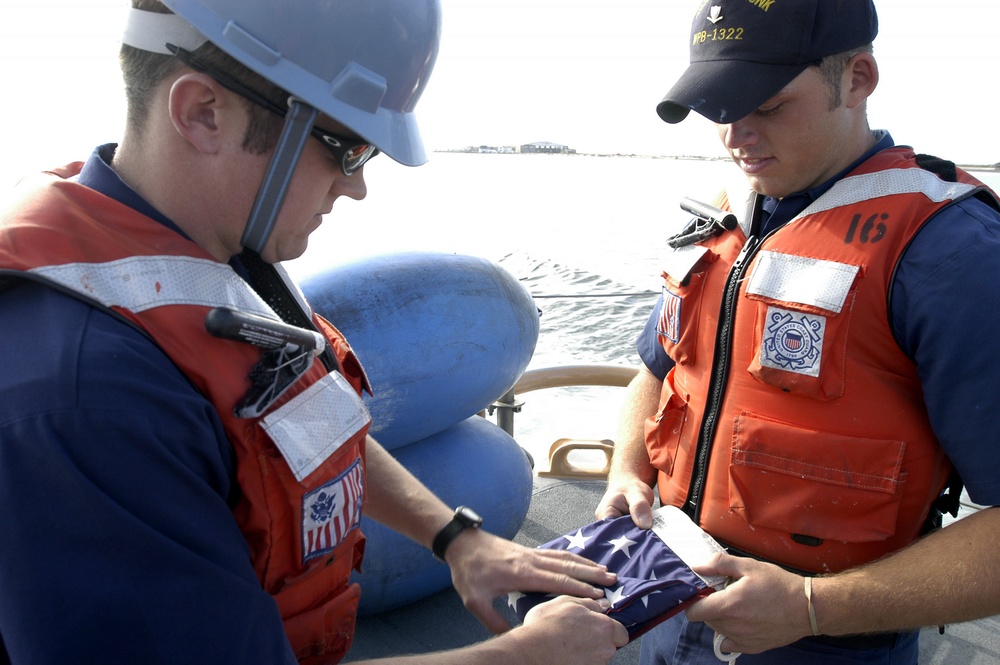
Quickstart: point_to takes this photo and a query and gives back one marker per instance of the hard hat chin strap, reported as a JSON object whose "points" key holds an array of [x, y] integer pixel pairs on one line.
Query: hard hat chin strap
{"points": [[298, 124]]}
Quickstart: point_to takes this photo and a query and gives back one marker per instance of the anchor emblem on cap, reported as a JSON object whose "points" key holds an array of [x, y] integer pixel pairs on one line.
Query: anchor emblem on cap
{"points": [[715, 14]]}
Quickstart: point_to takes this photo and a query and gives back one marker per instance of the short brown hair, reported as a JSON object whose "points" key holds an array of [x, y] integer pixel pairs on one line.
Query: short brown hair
{"points": [[832, 69], [143, 71]]}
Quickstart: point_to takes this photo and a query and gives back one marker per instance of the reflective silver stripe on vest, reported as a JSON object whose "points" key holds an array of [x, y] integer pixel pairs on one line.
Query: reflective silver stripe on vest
{"points": [[802, 280], [308, 428], [825, 284], [144, 282], [855, 189]]}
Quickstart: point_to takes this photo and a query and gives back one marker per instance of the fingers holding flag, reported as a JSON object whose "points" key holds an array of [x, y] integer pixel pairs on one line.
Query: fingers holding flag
{"points": [[632, 497], [484, 566], [594, 638], [567, 570], [761, 608]]}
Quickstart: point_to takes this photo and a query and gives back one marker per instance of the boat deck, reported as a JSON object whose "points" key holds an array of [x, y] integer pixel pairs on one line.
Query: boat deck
{"points": [[440, 621]]}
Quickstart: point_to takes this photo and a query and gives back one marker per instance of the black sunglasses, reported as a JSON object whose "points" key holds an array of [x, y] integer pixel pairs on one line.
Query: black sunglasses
{"points": [[350, 153]]}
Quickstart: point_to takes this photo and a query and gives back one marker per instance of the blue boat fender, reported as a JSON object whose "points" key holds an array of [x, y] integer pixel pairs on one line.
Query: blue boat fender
{"points": [[473, 463], [441, 336]]}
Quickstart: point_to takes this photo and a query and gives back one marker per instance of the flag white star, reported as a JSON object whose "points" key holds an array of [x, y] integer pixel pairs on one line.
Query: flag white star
{"points": [[645, 597], [615, 595], [512, 599], [578, 540], [622, 544]]}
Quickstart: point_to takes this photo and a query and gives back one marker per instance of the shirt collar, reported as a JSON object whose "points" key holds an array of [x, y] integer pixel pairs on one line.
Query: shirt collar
{"points": [[98, 175]]}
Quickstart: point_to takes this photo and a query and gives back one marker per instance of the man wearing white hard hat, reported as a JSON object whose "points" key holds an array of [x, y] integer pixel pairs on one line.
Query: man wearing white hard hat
{"points": [[155, 509]]}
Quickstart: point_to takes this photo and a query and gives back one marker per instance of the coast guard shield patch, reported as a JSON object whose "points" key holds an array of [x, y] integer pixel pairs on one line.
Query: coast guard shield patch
{"points": [[792, 341], [331, 511], [669, 323]]}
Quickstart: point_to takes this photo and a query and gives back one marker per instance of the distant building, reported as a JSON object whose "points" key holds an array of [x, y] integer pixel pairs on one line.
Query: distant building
{"points": [[546, 147]]}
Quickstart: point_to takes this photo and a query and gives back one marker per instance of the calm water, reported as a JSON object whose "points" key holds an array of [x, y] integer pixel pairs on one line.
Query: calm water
{"points": [[584, 235]]}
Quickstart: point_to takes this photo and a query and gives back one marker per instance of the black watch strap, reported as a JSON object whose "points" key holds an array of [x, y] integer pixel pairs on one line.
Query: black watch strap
{"points": [[465, 518]]}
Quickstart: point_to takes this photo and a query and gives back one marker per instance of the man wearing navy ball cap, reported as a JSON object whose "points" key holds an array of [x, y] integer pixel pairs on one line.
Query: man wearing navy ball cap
{"points": [[809, 395], [742, 53]]}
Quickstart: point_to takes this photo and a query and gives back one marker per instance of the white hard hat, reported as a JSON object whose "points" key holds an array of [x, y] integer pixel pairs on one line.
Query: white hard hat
{"points": [[363, 63]]}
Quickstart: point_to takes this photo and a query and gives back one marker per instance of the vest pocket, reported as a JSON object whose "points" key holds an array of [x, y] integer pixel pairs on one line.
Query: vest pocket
{"points": [[800, 351], [663, 430], [298, 530], [679, 316], [323, 634], [804, 311], [815, 485]]}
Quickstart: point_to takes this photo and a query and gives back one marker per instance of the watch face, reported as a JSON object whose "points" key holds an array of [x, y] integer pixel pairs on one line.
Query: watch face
{"points": [[468, 516]]}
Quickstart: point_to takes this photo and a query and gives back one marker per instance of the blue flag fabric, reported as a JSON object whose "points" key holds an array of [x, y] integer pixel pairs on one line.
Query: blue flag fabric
{"points": [[654, 583]]}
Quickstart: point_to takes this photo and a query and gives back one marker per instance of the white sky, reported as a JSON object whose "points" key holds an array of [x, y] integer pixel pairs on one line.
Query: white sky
{"points": [[586, 73]]}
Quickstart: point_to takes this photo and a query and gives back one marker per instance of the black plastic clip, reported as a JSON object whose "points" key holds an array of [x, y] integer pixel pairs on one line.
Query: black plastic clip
{"points": [[287, 354], [708, 222]]}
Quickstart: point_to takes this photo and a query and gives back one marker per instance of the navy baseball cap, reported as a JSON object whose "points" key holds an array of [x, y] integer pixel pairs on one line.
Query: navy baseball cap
{"points": [[744, 51]]}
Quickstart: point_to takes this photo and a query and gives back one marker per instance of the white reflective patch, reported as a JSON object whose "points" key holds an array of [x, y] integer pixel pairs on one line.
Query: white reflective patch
{"points": [[316, 423], [792, 341], [144, 282], [797, 279], [855, 189]]}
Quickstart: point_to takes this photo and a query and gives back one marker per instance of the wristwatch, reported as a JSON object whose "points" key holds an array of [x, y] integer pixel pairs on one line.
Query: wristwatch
{"points": [[465, 518]]}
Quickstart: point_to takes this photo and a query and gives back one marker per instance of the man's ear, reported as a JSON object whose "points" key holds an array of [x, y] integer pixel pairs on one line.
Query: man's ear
{"points": [[197, 106], [862, 79]]}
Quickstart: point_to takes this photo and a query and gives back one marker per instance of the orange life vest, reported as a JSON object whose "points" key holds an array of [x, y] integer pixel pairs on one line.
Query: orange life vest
{"points": [[303, 532], [794, 428]]}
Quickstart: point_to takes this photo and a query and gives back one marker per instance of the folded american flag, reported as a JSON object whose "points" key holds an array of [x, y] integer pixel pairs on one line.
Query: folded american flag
{"points": [[655, 580]]}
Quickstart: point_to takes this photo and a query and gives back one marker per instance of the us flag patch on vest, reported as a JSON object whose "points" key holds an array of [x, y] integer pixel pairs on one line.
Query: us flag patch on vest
{"points": [[331, 511], [669, 323]]}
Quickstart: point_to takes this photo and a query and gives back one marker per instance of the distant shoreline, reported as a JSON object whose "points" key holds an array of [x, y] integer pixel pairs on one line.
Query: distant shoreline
{"points": [[635, 155], [990, 168]]}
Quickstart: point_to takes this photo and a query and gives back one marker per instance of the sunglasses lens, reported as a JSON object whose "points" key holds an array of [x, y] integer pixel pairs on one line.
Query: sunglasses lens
{"points": [[356, 157]]}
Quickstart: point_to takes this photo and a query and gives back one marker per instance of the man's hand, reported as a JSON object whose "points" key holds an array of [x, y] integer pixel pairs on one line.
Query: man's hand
{"points": [[573, 631], [485, 566], [632, 497], [763, 607]]}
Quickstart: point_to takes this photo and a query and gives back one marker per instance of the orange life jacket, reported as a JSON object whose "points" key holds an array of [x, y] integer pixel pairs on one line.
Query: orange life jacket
{"points": [[303, 532], [821, 454]]}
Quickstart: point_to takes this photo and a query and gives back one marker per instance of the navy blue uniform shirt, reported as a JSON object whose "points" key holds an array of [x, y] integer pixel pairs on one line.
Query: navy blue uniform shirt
{"points": [[944, 304], [116, 488]]}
